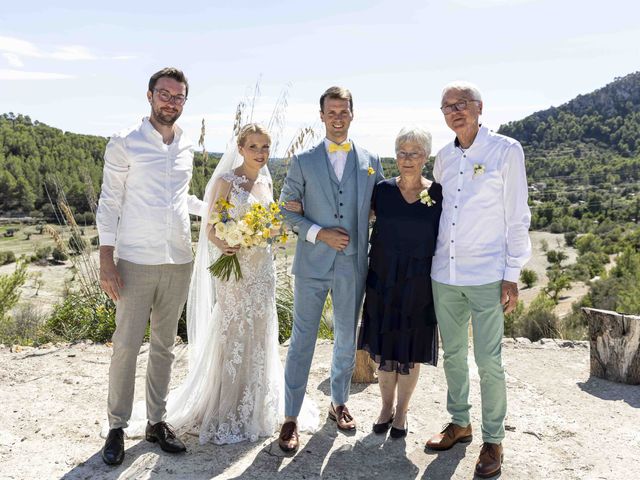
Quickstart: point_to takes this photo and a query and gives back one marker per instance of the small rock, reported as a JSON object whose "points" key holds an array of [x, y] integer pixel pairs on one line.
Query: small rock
{"points": [[71, 355], [523, 340], [68, 381]]}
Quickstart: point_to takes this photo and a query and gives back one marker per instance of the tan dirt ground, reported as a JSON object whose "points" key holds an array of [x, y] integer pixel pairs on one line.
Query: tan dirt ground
{"points": [[561, 424]]}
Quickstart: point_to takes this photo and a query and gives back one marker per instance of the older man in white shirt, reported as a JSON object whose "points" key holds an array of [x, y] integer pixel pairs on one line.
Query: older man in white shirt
{"points": [[143, 221], [483, 243]]}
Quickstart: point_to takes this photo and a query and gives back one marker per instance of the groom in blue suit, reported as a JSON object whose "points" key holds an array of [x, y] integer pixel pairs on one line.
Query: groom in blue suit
{"points": [[334, 181]]}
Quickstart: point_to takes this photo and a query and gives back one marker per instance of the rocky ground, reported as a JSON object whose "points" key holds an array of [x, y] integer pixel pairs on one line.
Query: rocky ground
{"points": [[562, 424]]}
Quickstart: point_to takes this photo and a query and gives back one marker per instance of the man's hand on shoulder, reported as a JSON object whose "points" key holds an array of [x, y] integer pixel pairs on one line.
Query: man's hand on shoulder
{"points": [[110, 280], [509, 296], [337, 238]]}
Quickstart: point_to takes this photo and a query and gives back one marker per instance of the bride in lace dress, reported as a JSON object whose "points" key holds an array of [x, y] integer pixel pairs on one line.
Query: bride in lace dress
{"points": [[234, 390]]}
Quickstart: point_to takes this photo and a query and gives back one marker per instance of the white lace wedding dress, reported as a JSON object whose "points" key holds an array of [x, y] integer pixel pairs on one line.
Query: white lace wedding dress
{"points": [[244, 394]]}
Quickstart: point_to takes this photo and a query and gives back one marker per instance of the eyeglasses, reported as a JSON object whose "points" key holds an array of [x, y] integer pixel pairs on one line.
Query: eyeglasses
{"points": [[458, 106], [167, 97], [411, 155]]}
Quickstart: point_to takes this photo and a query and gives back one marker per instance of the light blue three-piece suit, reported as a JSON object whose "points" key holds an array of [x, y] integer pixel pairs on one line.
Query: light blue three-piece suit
{"points": [[319, 269]]}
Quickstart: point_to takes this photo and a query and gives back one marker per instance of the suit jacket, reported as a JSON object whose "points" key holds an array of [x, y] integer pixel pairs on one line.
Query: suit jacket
{"points": [[308, 180]]}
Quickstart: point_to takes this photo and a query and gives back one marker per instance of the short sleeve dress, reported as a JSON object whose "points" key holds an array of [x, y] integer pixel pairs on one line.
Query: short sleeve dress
{"points": [[399, 326]]}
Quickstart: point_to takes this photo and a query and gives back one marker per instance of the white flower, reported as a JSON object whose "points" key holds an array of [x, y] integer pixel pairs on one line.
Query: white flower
{"points": [[478, 169], [221, 229], [425, 198], [234, 237]]}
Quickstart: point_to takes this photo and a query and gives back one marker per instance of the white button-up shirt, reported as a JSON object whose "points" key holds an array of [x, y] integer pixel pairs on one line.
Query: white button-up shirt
{"points": [[484, 227], [338, 161], [145, 203]]}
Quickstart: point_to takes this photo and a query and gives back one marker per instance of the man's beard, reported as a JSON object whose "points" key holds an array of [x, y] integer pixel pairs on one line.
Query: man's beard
{"points": [[164, 118]]}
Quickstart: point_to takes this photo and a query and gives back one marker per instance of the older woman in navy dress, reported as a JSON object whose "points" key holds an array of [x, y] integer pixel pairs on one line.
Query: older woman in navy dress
{"points": [[399, 328]]}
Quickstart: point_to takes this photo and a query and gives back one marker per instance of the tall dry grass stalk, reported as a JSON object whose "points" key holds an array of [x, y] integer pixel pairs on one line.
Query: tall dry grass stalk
{"points": [[88, 271]]}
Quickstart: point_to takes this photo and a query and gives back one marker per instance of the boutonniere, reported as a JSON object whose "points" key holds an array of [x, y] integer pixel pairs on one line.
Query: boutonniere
{"points": [[370, 171], [426, 199], [478, 169]]}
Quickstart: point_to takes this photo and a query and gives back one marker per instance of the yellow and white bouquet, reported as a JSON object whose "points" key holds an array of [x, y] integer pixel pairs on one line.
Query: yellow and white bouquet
{"points": [[259, 227]]}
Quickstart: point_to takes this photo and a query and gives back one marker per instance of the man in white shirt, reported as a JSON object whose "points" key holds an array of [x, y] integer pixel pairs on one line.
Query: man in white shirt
{"points": [[483, 243], [143, 222]]}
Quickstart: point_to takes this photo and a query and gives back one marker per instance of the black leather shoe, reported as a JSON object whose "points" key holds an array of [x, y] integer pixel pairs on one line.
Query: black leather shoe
{"points": [[162, 433], [113, 450], [383, 427], [399, 432]]}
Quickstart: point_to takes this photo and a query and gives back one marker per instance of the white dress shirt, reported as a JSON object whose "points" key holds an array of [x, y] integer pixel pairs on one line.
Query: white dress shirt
{"points": [[145, 203], [338, 161], [484, 227]]}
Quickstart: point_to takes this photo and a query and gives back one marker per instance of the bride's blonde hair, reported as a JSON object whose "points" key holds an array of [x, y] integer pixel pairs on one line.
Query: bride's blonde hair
{"points": [[250, 129]]}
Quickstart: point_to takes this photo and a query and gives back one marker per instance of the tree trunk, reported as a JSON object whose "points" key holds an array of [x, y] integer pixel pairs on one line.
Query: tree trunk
{"points": [[615, 345]]}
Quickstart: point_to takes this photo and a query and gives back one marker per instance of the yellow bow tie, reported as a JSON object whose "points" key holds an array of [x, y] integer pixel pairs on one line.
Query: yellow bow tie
{"points": [[346, 147]]}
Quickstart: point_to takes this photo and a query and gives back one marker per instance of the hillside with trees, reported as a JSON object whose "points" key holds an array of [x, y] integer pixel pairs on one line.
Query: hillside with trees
{"points": [[38, 162]]}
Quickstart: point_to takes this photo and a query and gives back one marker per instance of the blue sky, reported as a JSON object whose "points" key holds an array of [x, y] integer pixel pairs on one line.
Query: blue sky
{"points": [[84, 68]]}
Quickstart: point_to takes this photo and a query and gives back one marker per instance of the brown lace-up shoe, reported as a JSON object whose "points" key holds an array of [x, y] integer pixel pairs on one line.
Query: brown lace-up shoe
{"points": [[342, 417], [448, 437], [288, 439], [490, 460]]}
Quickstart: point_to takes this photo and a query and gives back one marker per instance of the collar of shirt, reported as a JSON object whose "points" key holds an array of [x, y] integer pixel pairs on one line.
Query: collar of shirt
{"points": [[480, 139], [150, 132]]}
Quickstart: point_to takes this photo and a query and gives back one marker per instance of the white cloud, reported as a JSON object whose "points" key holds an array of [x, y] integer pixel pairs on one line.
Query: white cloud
{"points": [[72, 52], [13, 60], [6, 74], [17, 48]]}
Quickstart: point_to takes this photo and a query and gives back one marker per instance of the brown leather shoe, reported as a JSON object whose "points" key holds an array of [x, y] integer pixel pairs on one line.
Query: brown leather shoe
{"points": [[448, 437], [342, 417], [490, 460], [288, 439]]}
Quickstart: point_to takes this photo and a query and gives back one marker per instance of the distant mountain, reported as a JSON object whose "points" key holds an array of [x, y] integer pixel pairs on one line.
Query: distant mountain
{"points": [[608, 118], [583, 159]]}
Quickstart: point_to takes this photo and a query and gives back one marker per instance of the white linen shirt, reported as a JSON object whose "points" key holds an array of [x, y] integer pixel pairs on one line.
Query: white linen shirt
{"points": [[145, 203], [484, 228], [338, 161]]}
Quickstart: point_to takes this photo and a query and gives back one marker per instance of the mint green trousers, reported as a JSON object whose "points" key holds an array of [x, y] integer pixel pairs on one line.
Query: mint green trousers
{"points": [[454, 306]]}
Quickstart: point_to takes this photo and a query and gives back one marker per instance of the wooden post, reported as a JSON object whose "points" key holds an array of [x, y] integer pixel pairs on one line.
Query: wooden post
{"points": [[615, 345], [365, 370]]}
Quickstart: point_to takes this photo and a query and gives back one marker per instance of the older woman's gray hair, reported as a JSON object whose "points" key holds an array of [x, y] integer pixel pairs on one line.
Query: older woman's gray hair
{"points": [[415, 135], [467, 87]]}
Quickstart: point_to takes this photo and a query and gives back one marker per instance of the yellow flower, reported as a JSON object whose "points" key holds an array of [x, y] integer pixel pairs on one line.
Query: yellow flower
{"points": [[371, 171]]}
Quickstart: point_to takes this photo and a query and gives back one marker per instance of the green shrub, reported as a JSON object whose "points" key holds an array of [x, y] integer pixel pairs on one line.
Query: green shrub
{"points": [[59, 255], [77, 244], [24, 326], [556, 257], [539, 321], [588, 243], [511, 320], [81, 317], [528, 277], [10, 289], [570, 238], [7, 257], [42, 253]]}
